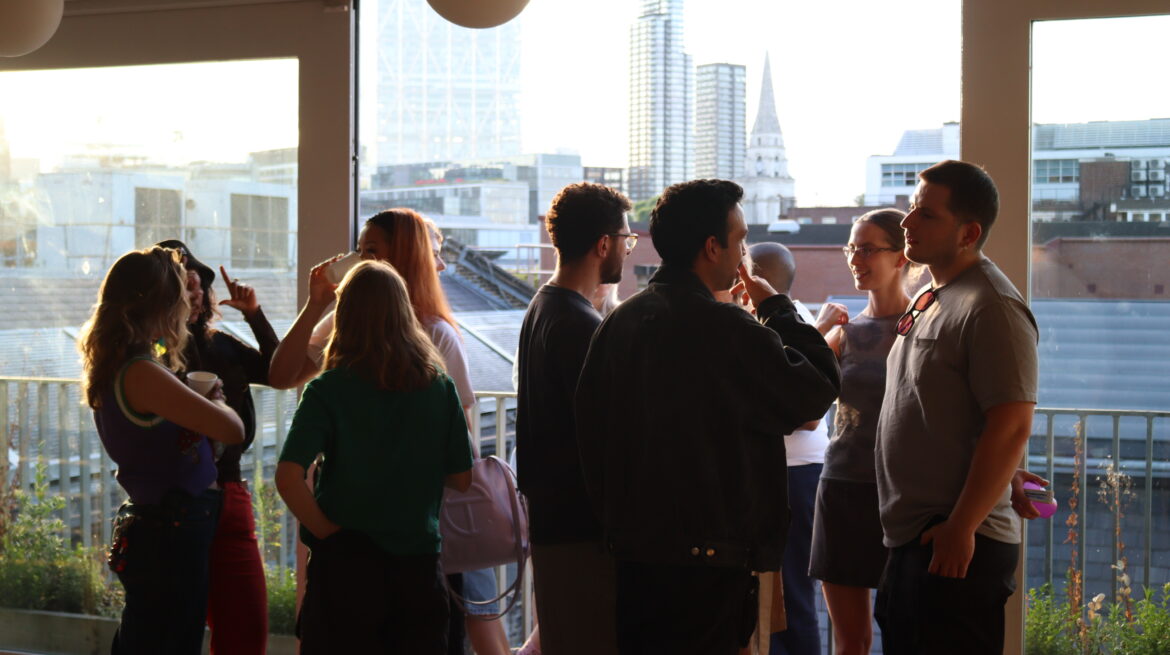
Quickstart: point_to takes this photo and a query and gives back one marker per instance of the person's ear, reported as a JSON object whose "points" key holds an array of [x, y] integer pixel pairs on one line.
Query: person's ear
{"points": [[970, 234], [601, 248], [711, 249]]}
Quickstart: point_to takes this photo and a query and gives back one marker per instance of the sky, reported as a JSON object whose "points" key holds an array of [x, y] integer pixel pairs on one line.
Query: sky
{"points": [[849, 76]]}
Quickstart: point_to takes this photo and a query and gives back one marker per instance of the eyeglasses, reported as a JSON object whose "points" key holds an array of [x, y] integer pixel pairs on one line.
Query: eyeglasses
{"points": [[631, 238], [864, 251], [924, 300]]}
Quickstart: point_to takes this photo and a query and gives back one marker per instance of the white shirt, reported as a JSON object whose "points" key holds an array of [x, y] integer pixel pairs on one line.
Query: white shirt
{"points": [[807, 446]]}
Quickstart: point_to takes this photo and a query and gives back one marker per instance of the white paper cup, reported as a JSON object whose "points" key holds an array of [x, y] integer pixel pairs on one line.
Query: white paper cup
{"points": [[337, 270], [201, 381]]}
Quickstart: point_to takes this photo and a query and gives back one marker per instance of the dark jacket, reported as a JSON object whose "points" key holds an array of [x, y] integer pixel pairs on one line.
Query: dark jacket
{"points": [[239, 366], [682, 408]]}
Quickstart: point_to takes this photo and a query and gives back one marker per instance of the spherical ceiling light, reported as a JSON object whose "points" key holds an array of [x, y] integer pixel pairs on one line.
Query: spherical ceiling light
{"points": [[26, 25], [477, 13]]}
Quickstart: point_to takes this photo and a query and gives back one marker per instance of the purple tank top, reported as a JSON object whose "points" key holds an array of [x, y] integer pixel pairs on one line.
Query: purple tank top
{"points": [[153, 455]]}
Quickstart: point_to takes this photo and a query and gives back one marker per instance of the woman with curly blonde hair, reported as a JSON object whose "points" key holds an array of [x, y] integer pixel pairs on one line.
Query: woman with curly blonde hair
{"points": [[156, 430]]}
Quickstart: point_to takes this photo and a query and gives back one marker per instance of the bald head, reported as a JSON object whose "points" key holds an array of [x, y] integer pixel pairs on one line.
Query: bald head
{"points": [[774, 263]]}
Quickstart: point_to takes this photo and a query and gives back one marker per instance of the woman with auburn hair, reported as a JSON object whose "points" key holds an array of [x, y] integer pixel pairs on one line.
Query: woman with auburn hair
{"points": [[156, 430], [391, 427], [402, 238]]}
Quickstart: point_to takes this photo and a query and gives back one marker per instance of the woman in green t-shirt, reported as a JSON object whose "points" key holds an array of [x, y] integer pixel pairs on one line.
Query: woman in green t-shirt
{"points": [[390, 425]]}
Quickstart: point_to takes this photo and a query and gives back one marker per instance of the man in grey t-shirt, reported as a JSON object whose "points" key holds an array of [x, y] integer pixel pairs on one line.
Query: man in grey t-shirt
{"points": [[956, 417]]}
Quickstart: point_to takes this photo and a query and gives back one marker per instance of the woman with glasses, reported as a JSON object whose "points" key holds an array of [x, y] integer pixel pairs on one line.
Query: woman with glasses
{"points": [[847, 551]]}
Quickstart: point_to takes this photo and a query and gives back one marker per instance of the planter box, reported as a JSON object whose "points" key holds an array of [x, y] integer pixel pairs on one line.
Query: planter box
{"points": [[57, 633]]}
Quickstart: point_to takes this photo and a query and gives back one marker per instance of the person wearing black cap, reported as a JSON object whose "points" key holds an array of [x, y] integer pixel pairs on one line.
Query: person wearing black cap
{"points": [[237, 606]]}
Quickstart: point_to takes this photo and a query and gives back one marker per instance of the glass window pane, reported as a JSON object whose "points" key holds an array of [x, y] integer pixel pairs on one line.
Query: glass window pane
{"points": [[97, 162], [1098, 291]]}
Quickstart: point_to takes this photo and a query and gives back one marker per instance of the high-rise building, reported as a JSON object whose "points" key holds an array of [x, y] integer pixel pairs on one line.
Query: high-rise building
{"points": [[720, 120], [661, 96], [444, 92], [768, 189]]}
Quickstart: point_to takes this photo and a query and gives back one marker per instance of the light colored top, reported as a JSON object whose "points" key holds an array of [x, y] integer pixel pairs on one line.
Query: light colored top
{"points": [[442, 334], [807, 446], [974, 348]]}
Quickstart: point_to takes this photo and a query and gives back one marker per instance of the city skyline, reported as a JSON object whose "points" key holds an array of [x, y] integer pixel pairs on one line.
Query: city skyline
{"points": [[837, 102]]}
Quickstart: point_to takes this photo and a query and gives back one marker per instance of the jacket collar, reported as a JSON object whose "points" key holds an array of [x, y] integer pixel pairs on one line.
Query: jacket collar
{"points": [[682, 278]]}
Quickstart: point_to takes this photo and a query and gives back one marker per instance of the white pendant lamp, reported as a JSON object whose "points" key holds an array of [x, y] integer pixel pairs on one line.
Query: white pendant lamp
{"points": [[26, 25], [477, 13]]}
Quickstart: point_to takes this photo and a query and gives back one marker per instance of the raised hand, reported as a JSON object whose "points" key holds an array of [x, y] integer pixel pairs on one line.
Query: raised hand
{"points": [[831, 315], [757, 288], [321, 290], [243, 296]]}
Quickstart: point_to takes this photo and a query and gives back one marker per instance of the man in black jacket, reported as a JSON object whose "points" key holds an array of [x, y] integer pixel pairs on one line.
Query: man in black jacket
{"points": [[681, 408]]}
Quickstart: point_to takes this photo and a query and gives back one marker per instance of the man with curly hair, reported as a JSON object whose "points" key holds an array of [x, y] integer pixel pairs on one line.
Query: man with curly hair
{"points": [[573, 574]]}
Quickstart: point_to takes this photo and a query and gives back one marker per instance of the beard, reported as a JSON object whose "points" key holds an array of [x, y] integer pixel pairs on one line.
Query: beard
{"points": [[611, 268]]}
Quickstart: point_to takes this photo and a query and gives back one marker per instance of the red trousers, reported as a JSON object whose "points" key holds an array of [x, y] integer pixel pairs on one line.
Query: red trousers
{"points": [[237, 602]]}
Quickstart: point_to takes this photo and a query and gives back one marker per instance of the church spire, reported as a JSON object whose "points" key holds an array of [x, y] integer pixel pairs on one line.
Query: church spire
{"points": [[766, 121]]}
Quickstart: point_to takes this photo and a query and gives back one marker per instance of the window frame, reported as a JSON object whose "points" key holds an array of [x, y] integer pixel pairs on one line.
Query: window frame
{"points": [[995, 131]]}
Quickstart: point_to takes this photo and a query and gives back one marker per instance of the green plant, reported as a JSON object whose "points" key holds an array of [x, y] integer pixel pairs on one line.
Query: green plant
{"points": [[269, 512], [1047, 624], [282, 601], [1100, 626], [38, 569]]}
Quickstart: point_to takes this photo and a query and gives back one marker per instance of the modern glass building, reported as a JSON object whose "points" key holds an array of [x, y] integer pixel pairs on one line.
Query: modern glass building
{"points": [[444, 92], [720, 120], [661, 97]]}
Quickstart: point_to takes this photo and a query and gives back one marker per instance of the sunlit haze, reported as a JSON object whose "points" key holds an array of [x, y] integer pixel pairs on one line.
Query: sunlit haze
{"points": [[849, 78]]}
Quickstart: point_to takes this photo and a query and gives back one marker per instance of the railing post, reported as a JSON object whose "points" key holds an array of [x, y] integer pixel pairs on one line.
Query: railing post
{"points": [[501, 428], [1083, 501], [42, 429], [24, 435], [474, 427], [289, 536], [64, 477], [4, 436], [85, 476], [1114, 549], [1147, 550], [1050, 475]]}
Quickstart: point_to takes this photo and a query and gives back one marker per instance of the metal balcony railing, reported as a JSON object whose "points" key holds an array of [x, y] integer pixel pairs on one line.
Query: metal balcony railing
{"points": [[44, 422]]}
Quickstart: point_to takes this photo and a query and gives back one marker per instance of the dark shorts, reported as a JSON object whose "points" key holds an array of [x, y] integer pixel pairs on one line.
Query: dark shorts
{"points": [[847, 535]]}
